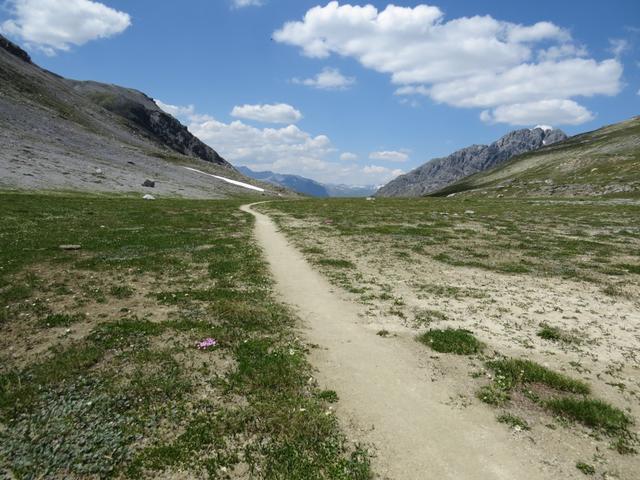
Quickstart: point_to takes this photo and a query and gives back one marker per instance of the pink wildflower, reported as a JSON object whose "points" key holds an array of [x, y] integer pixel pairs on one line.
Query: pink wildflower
{"points": [[206, 343]]}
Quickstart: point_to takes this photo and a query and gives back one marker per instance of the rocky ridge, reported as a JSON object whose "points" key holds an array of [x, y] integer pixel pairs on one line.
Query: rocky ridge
{"points": [[441, 172]]}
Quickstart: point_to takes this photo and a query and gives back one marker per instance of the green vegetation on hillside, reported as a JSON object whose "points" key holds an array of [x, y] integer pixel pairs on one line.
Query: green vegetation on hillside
{"points": [[605, 161]]}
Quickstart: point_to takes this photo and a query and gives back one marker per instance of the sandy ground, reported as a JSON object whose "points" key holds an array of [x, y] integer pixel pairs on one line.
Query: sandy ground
{"points": [[386, 394]]}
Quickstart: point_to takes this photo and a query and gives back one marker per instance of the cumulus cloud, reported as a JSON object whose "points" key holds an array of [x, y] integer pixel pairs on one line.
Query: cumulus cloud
{"points": [[548, 111], [177, 110], [348, 157], [327, 79], [276, 113], [383, 173], [52, 25], [285, 150], [468, 62], [389, 156]]}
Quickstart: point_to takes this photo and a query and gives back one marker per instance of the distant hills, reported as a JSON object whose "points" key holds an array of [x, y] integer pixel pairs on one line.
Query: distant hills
{"points": [[296, 183], [307, 186], [441, 172], [61, 134], [603, 162]]}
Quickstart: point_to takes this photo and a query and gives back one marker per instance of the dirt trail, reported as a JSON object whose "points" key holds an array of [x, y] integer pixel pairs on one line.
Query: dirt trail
{"points": [[384, 385]]}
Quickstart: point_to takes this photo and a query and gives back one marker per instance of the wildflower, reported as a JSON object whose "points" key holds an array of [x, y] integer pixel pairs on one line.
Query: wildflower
{"points": [[206, 343]]}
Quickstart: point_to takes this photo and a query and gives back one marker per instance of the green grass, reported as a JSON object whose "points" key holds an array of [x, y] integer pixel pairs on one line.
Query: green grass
{"points": [[460, 342], [60, 320], [121, 291], [335, 263], [328, 395], [568, 398], [513, 421], [555, 334], [245, 402], [586, 468], [493, 395], [592, 413], [513, 372]]}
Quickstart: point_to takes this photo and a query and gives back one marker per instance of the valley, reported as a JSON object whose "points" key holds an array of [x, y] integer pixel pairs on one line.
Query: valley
{"points": [[389, 266]]}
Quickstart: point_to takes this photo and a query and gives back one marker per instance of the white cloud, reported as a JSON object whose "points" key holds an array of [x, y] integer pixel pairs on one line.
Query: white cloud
{"points": [[348, 157], [285, 150], [327, 79], [176, 110], [617, 46], [246, 3], [547, 111], [469, 62], [382, 173], [52, 25], [389, 156], [276, 113], [532, 82]]}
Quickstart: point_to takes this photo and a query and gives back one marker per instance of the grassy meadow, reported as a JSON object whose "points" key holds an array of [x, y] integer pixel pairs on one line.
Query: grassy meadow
{"points": [[100, 372]]}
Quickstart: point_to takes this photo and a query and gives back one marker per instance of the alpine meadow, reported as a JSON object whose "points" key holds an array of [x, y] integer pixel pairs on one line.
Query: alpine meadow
{"points": [[266, 239]]}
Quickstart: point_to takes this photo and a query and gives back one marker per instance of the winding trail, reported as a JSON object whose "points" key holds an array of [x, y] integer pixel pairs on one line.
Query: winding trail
{"points": [[384, 386]]}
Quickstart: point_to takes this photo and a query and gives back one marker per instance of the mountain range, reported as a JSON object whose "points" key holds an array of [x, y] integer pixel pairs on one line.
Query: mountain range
{"points": [[441, 172], [603, 162], [306, 186], [62, 134]]}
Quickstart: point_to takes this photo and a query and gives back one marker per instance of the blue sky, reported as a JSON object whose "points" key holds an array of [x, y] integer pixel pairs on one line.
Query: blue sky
{"points": [[352, 92]]}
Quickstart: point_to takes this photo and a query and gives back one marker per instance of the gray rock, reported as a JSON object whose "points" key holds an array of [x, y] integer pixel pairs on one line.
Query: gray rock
{"points": [[441, 172], [149, 183], [14, 49], [70, 247]]}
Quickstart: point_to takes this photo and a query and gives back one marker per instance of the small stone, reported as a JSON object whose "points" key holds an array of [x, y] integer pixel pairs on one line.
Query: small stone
{"points": [[149, 183], [149, 197], [98, 171], [469, 212], [70, 247]]}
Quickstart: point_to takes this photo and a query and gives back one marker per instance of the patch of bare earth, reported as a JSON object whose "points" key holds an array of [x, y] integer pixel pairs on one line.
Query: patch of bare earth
{"points": [[84, 295]]}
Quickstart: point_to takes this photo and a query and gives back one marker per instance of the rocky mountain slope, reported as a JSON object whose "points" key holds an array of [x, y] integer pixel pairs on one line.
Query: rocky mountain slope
{"points": [[306, 186], [440, 172], [60, 134], [605, 161]]}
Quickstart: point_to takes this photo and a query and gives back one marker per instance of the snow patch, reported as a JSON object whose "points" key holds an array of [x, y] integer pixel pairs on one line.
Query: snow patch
{"points": [[228, 180]]}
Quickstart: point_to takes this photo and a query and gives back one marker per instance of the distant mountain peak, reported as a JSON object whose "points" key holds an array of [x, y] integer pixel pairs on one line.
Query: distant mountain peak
{"points": [[441, 172]]}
